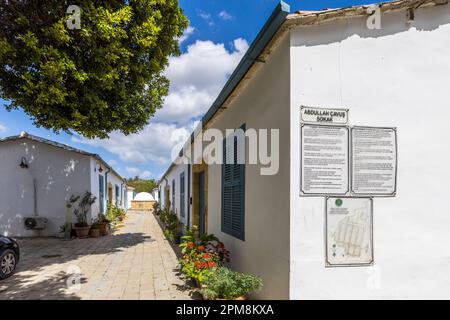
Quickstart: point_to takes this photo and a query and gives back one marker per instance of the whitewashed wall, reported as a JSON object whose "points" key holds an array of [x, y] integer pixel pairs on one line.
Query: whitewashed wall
{"points": [[396, 76], [58, 173], [130, 196]]}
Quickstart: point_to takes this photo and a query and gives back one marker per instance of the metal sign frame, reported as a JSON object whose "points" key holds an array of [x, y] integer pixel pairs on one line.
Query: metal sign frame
{"points": [[324, 123], [377, 195], [372, 253], [302, 193]]}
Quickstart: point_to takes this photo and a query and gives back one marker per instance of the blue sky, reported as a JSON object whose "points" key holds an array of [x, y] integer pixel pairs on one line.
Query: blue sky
{"points": [[220, 31]]}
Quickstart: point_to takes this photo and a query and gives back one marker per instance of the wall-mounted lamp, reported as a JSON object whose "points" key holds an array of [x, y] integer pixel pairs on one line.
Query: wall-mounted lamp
{"points": [[100, 169], [23, 163]]}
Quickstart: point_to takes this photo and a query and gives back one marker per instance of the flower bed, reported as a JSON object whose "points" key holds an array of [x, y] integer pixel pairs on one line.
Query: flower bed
{"points": [[203, 259]]}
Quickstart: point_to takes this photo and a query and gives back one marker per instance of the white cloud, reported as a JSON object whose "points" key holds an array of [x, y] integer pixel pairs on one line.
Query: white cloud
{"points": [[196, 76], [3, 128], [153, 144], [133, 171], [145, 174], [113, 163], [224, 15], [186, 34], [206, 16]]}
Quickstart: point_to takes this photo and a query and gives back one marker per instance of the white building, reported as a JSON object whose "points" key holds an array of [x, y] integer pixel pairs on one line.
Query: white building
{"points": [[155, 194], [392, 76], [130, 196], [38, 176]]}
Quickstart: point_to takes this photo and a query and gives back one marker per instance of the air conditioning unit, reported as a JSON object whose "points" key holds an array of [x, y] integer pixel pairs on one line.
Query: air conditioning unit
{"points": [[35, 223]]}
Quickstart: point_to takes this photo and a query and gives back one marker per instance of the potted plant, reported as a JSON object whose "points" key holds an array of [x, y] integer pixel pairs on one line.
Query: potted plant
{"points": [[103, 224], [225, 284], [120, 214], [172, 227], [94, 232], [82, 227]]}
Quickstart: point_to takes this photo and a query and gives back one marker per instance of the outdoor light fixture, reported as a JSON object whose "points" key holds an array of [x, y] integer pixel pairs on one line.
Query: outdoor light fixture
{"points": [[100, 169], [23, 163]]}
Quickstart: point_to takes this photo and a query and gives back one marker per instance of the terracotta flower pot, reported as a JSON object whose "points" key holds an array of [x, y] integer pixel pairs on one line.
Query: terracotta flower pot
{"points": [[103, 227], [82, 232], [94, 232]]}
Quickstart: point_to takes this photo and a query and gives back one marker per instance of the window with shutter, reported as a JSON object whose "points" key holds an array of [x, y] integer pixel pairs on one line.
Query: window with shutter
{"points": [[182, 204], [233, 189]]}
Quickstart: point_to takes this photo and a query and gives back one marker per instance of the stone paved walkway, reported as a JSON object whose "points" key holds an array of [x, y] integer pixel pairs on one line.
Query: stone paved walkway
{"points": [[135, 262]]}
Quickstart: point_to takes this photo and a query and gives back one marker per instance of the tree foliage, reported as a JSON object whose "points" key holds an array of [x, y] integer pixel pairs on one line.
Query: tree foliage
{"points": [[142, 185], [103, 77]]}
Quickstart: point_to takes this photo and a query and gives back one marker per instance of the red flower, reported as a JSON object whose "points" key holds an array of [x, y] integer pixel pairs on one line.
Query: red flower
{"points": [[206, 255], [190, 245], [220, 245], [204, 265], [211, 264], [201, 248]]}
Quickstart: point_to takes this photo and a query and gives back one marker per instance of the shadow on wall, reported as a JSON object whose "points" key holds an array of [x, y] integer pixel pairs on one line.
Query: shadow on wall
{"points": [[41, 256]]}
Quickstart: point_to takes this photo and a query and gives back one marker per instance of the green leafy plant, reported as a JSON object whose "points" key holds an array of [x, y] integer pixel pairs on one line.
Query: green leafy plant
{"points": [[62, 228], [84, 206], [142, 185], [170, 235], [156, 209], [102, 218], [224, 283], [105, 75], [172, 225], [201, 254], [71, 202], [114, 213]]}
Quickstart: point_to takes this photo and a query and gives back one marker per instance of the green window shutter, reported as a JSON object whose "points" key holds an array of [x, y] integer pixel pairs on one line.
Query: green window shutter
{"points": [[233, 192]]}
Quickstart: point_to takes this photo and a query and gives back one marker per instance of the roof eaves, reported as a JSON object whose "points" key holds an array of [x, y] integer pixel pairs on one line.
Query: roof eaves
{"points": [[329, 15]]}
